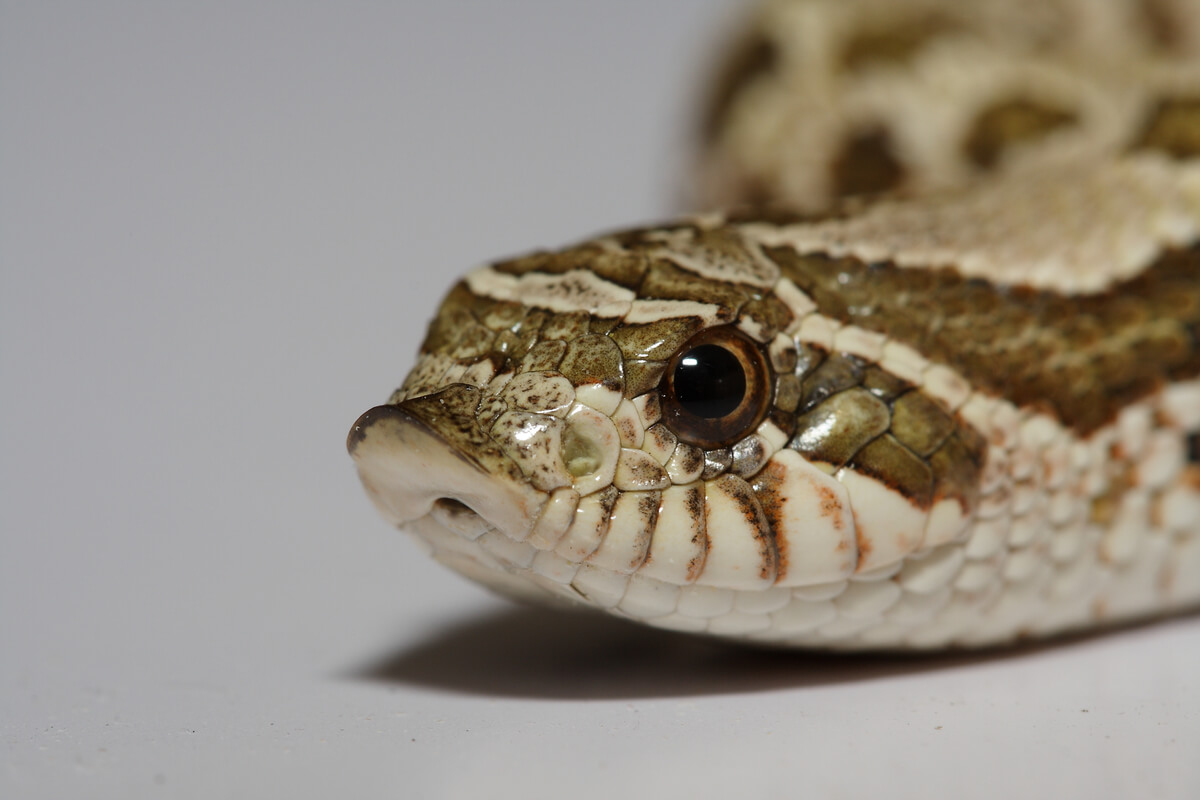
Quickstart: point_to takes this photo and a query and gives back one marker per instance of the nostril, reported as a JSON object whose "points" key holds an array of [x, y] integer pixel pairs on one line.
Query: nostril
{"points": [[580, 454], [590, 447]]}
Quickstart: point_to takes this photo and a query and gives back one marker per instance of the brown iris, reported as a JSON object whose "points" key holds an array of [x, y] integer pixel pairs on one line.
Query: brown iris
{"points": [[716, 389]]}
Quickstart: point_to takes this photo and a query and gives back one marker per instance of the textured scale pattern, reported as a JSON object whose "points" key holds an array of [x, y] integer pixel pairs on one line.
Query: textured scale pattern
{"points": [[981, 406]]}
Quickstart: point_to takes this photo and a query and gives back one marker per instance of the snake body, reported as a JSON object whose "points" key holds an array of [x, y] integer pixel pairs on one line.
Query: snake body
{"points": [[963, 410]]}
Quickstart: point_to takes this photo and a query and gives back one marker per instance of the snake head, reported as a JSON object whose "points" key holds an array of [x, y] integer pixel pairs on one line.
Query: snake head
{"points": [[641, 423]]}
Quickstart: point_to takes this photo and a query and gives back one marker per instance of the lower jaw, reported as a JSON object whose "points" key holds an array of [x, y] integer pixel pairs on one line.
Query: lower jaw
{"points": [[823, 617]]}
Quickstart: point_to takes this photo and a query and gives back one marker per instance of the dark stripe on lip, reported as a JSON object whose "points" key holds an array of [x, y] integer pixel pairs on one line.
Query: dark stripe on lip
{"points": [[1081, 358]]}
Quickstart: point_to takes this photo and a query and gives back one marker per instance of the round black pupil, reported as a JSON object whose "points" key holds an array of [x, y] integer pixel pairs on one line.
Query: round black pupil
{"points": [[709, 381]]}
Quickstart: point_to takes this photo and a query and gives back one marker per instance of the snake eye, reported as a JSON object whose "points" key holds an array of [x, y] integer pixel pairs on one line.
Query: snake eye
{"points": [[716, 389]]}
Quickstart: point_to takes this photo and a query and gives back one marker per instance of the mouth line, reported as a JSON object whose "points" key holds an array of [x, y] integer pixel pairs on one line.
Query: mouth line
{"points": [[457, 516]]}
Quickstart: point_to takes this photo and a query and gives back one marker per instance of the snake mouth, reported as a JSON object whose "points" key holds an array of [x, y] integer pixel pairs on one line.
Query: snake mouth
{"points": [[428, 457]]}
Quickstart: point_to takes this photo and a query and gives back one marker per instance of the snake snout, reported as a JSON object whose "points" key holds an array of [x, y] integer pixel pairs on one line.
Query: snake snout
{"points": [[429, 454]]}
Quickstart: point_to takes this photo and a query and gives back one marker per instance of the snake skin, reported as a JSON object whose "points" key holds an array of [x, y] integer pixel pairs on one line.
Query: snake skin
{"points": [[980, 413]]}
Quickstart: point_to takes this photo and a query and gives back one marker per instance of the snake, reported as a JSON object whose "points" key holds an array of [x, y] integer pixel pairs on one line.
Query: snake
{"points": [[922, 371]]}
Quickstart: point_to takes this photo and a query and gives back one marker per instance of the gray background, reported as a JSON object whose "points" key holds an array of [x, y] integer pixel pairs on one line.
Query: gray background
{"points": [[223, 229]]}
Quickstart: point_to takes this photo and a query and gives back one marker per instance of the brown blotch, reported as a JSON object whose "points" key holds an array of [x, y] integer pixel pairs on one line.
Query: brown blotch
{"points": [[666, 281], [753, 57], [896, 44], [836, 374], [594, 358], [957, 468], [1173, 127], [642, 376], [626, 269], [1161, 26], [657, 340], [920, 423], [769, 313], [883, 384], [1092, 356], [867, 164], [894, 465], [834, 431], [1008, 123], [566, 326], [544, 356]]}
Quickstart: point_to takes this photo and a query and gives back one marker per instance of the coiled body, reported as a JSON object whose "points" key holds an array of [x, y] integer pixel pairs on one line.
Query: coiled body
{"points": [[955, 416]]}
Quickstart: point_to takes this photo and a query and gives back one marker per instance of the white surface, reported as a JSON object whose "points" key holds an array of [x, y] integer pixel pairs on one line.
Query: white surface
{"points": [[222, 229]]}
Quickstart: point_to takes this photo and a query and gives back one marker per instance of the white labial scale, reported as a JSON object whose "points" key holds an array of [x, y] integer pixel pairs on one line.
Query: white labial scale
{"points": [[629, 425], [648, 407], [678, 544], [625, 545], [739, 556], [685, 465], [586, 532], [814, 526], [660, 444], [638, 471], [555, 519], [889, 527]]}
